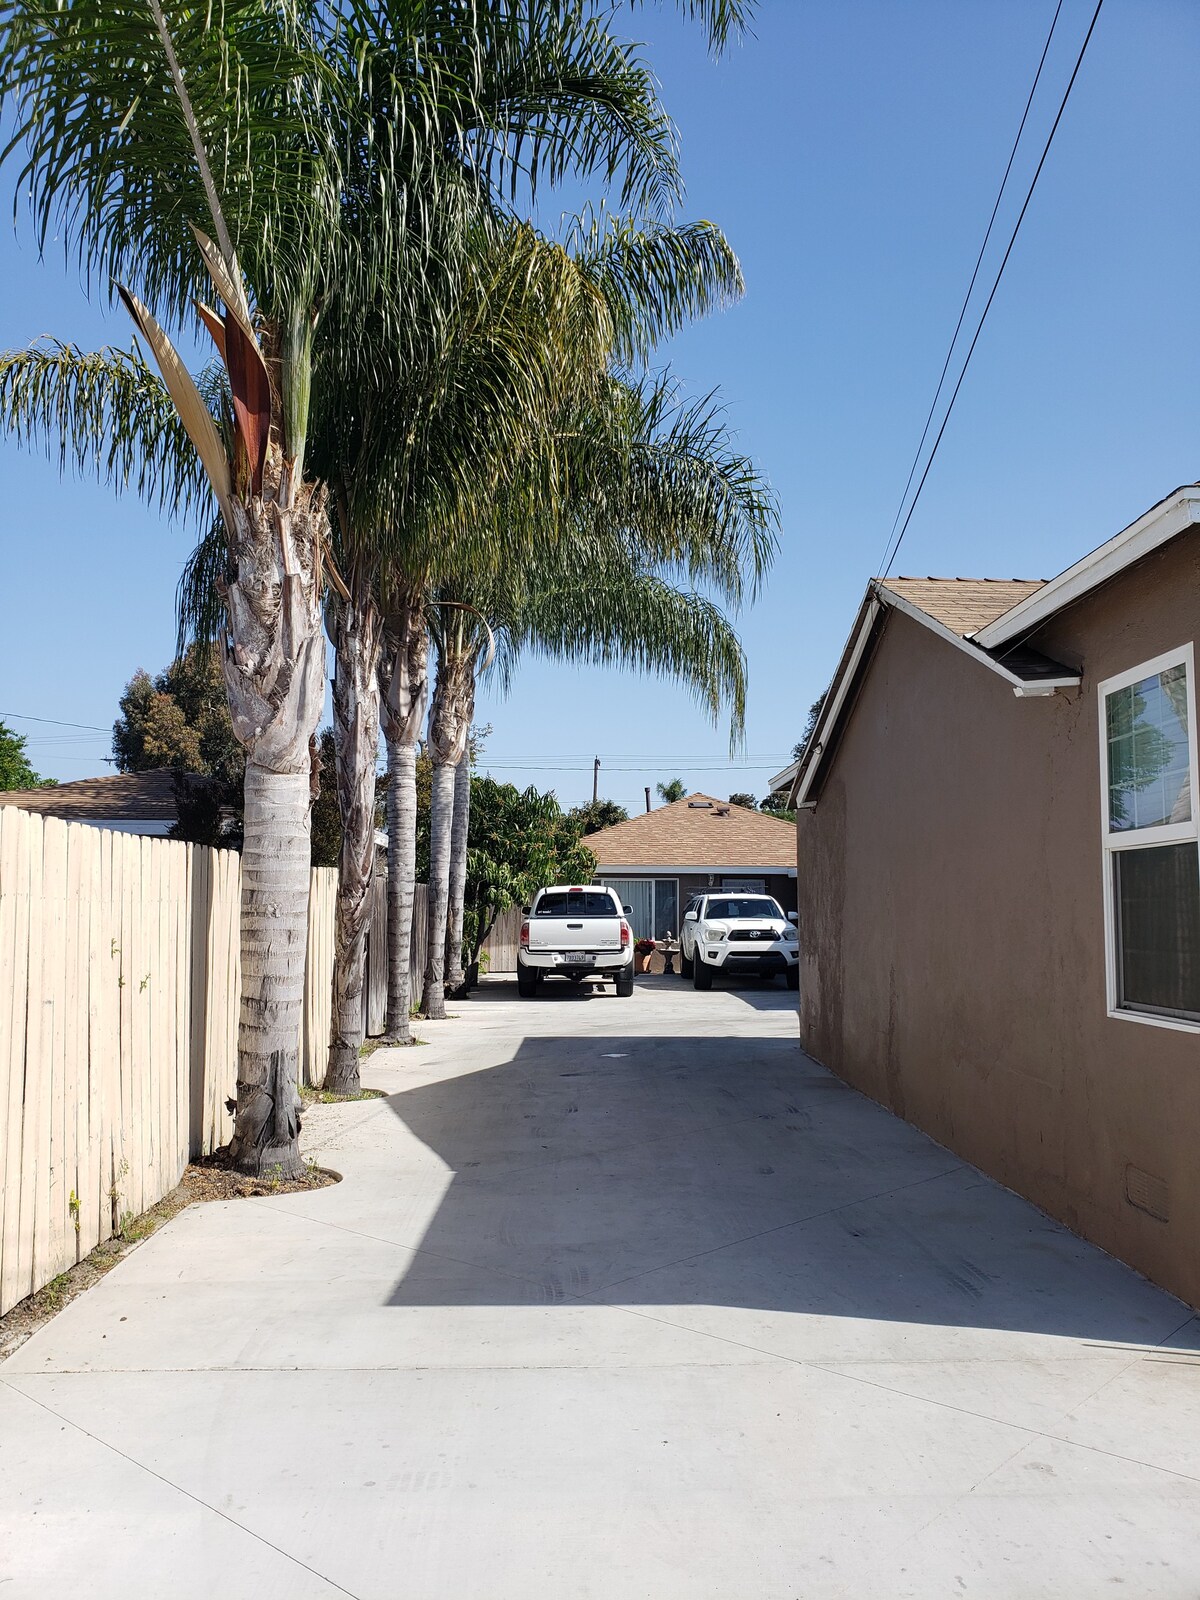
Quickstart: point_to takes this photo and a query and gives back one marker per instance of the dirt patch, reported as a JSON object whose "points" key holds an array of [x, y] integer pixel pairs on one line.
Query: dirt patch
{"points": [[210, 1178]]}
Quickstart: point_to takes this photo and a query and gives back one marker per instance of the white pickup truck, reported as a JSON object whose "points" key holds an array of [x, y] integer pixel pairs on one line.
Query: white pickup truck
{"points": [[576, 932], [734, 932]]}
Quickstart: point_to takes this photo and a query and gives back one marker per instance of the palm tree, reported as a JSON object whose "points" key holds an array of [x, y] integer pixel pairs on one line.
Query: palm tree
{"points": [[323, 116], [551, 92], [404, 695], [118, 115], [656, 487], [652, 488]]}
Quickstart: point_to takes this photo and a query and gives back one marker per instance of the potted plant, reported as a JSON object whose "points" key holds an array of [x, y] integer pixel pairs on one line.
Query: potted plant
{"points": [[643, 949]]}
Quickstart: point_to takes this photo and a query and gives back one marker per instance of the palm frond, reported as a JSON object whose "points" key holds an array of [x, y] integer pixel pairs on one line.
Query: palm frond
{"points": [[199, 597], [105, 412], [636, 619]]}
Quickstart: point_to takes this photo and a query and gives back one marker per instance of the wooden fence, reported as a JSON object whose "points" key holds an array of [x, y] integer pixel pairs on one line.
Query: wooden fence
{"points": [[500, 949], [375, 984], [500, 946], [119, 992]]}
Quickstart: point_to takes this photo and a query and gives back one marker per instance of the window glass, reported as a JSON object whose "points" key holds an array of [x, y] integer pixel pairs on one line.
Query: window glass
{"points": [[666, 907], [1149, 764], [587, 903], [744, 906], [1157, 895]]}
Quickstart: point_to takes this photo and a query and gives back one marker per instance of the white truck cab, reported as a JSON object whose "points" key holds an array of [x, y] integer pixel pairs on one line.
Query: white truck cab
{"points": [[727, 931], [575, 931]]}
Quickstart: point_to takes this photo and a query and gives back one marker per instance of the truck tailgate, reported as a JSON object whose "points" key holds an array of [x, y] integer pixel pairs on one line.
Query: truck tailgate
{"points": [[580, 921]]}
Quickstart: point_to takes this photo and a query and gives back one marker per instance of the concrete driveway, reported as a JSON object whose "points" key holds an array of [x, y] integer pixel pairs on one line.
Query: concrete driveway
{"points": [[618, 1299]]}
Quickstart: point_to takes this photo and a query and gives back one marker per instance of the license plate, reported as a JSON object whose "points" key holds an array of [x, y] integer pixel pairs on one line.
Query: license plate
{"points": [[576, 958]]}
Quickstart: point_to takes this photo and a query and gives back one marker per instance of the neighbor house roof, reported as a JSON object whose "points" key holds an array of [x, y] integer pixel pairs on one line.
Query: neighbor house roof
{"points": [[119, 797], [987, 618], [698, 832]]}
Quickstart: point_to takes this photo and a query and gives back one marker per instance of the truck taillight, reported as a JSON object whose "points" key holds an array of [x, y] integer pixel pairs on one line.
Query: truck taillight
{"points": [[626, 935], [525, 936]]}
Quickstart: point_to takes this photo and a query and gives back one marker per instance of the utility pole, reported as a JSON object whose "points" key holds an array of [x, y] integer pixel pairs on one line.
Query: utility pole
{"points": [[595, 780], [647, 797]]}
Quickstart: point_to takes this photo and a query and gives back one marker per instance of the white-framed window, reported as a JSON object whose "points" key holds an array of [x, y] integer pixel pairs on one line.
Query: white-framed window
{"points": [[1150, 810]]}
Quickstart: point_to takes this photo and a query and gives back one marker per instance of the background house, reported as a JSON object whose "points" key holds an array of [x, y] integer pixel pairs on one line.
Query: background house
{"points": [[656, 861], [999, 880], [130, 802]]}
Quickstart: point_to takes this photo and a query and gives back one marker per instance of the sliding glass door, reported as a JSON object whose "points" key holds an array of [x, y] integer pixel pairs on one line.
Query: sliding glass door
{"points": [[653, 902]]}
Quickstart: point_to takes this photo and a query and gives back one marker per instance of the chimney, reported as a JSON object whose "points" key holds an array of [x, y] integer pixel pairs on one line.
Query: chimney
{"points": [[647, 797]]}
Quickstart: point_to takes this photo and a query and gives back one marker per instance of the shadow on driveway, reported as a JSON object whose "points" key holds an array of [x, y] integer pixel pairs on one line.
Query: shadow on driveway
{"points": [[701, 1171]]}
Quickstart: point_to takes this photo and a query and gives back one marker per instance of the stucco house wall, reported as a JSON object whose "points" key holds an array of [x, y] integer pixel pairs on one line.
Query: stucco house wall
{"points": [[952, 929]]}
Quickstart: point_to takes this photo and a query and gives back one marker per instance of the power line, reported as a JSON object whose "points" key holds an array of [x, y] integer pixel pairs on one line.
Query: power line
{"points": [[999, 275], [643, 766], [53, 722], [1012, 155]]}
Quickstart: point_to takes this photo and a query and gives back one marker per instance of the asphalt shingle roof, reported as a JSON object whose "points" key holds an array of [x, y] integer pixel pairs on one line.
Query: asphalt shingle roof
{"points": [[117, 797], [697, 831], [964, 604]]}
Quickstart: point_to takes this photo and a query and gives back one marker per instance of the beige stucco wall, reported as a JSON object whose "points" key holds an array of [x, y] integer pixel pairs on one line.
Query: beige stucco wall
{"points": [[952, 930]]}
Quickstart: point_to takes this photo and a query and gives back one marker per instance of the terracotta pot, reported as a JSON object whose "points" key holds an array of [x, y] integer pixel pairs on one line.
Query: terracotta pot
{"points": [[642, 963]]}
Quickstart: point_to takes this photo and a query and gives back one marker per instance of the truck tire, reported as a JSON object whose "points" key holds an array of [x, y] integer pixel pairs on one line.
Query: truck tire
{"points": [[701, 977], [526, 982], [625, 981], [792, 977], [685, 964]]}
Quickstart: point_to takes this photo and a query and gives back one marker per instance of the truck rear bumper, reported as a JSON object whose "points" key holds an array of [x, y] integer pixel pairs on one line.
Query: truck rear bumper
{"points": [[607, 961]]}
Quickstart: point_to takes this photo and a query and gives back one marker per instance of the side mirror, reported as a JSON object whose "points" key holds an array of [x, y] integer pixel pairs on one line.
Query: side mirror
{"points": [[524, 911], [689, 916], [627, 910], [793, 916]]}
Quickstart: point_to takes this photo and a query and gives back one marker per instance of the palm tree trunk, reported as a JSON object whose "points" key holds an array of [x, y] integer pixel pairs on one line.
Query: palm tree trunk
{"points": [[355, 630], [441, 823], [404, 684], [274, 662], [401, 887], [456, 978], [449, 721]]}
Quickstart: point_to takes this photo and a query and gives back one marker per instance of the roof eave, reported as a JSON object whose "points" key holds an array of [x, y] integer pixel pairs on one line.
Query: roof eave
{"points": [[1153, 528], [811, 760]]}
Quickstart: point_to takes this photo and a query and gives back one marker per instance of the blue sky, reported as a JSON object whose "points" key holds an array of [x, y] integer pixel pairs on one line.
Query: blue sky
{"points": [[851, 150]]}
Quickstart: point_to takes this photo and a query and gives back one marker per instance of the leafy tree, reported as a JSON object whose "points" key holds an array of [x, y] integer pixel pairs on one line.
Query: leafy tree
{"points": [[776, 804], [179, 719], [15, 771], [597, 814], [810, 726], [212, 810], [746, 800], [518, 842], [668, 793], [326, 813]]}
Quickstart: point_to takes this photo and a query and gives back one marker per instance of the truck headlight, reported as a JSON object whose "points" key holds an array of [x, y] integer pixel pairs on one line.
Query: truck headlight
{"points": [[712, 931]]}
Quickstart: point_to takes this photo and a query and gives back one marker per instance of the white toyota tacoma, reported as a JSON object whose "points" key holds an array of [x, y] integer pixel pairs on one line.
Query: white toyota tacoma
{"points": [[724, 932], [576, 932]]}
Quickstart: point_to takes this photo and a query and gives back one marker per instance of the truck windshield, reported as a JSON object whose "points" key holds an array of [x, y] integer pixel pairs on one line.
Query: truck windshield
{"points": [[744, 906], [583, 903]]}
